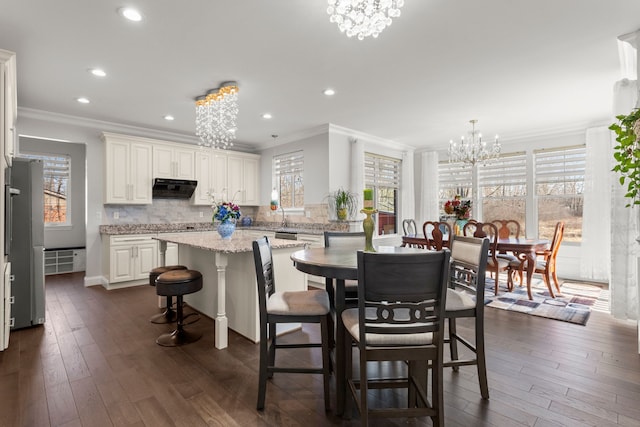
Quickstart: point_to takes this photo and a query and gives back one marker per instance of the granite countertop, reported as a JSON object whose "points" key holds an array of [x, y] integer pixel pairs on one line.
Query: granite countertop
{"points": [[317, 229], [213, 242]]}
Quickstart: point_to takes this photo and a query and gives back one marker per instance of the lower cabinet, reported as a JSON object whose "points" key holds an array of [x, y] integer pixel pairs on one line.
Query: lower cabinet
{"points": [[314, 241], [131, 257]]}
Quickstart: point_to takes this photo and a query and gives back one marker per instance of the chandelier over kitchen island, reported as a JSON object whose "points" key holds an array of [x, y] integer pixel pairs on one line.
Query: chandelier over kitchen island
{"points": [[216, 114], [363, 18]]}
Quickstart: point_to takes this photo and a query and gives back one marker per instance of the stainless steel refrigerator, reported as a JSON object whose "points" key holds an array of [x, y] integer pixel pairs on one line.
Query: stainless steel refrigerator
{"points": [[26, 249]]}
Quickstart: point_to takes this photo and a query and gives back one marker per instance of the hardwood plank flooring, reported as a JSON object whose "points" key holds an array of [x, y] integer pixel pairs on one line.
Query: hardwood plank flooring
{"points": [[95, 363]]}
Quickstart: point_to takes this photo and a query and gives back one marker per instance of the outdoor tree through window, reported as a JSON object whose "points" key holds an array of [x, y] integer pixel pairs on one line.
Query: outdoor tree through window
{"points": [[382, 174], [56, 170]]}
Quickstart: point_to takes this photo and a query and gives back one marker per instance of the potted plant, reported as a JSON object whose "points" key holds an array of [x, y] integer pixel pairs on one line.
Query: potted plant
{"points": [[344, 203], [627, 153]]}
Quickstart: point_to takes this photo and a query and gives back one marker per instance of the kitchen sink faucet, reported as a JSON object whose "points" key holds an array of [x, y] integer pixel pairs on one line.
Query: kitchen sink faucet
{"points": [[284, 218]]}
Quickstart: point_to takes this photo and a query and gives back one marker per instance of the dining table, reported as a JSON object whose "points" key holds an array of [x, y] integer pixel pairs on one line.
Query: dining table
{"points": [[525, 249], [338, 264]]}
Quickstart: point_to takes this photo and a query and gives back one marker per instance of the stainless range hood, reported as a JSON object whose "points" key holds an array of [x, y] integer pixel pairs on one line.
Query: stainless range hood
{"points": [[167, 188]]}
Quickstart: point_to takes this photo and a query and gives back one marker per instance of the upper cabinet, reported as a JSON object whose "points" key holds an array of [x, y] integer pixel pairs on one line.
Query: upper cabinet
{"points": [[128, 162], [173, 161], [8, 104], [242, 178], [211, 174]]}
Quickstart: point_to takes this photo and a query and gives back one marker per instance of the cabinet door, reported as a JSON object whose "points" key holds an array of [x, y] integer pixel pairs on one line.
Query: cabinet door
{"points": [[250, 181], [163, 166], [184, 162], [146, 259], [141, 173], [117, 172], [235, 179], [9, 103], [219, 175], [171, 255], [204, 176], [122, 262]]}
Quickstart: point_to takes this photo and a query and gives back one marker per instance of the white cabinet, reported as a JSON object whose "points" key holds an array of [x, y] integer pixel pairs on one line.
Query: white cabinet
{"points": [[128, 163], [313, 241], [131, 257], [8, 103], [242, 178], [173, 161], [58, 261], [211, 174]]}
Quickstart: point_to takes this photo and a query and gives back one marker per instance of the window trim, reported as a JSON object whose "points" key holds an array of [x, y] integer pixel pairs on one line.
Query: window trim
{"points": [[296, 158]]}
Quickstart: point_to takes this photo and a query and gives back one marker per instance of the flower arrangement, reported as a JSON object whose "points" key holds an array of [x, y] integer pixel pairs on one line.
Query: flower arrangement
{"points": [[224, 211], [460, 208]]}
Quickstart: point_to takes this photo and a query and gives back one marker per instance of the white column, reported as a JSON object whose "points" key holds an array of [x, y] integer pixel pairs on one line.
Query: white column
{"points": [[221, 321]]}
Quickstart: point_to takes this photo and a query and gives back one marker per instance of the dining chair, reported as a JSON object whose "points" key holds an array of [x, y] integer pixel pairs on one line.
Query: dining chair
{"points": [[437, 234], [494, 264], [507, 228], [409, 227], [400, 315], [310, 306], [465, 299], [346, 240], [545, 263]]}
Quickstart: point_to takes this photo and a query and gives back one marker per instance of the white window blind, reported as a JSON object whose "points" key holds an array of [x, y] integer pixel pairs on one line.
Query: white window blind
{"points": [[454, 179], [505, 177], [560, 171], [380, 171]]}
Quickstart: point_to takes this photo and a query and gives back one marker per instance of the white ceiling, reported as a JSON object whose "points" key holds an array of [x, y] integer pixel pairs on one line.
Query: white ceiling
{"points": [[520, 67]]}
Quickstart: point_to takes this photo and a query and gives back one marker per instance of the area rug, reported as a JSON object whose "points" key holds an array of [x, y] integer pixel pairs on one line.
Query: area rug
{"points": [[573, 304]]}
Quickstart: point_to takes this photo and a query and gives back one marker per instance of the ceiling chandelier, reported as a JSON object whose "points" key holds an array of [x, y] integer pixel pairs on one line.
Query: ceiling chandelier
{"points": [[216, 114], [474, 149], [363, 18]]}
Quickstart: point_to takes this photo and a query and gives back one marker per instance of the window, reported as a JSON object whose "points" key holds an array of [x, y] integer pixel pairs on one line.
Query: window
{"points": [[382, 174], [503, 189], [455, 180], [559, 178], [56, 187], [289, 169]]}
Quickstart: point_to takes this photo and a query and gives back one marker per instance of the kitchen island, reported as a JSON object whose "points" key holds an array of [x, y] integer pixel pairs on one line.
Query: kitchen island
{"points": [[229, 293]]}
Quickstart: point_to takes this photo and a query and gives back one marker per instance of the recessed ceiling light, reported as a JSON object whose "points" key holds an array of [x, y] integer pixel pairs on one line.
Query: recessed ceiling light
{"points": [[97, 72], [267, 116], [169, 117], [131, 14], [329, 92], [83, 100]]}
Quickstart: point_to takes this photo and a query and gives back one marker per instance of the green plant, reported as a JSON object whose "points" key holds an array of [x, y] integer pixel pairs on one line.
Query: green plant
{"points": [[344, 202], [627, 153]]}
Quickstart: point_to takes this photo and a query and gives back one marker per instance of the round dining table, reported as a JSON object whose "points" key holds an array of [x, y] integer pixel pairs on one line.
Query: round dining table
{"points": [[338, 265]]}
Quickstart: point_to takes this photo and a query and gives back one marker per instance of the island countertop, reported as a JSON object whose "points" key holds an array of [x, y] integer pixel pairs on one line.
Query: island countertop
{"points": [[211, 241]]}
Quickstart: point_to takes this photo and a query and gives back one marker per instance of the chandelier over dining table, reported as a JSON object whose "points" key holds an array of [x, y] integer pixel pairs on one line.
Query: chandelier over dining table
{"points": [[216, 115], [473, 150], [363, 18]]}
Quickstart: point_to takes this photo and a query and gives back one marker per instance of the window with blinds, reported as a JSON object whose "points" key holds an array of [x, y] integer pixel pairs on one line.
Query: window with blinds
{"points": [[57, 174], [382, 174], [455, 179], [559, 186], [503, 189], [289, 170]]}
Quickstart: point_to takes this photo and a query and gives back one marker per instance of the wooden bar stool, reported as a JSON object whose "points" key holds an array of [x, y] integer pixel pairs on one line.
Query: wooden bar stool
{"points": [[178, 283], [168, 315]]}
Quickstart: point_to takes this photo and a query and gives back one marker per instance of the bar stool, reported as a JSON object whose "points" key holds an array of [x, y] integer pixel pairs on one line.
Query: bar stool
{"points": [[168, 315], [178, 283]]}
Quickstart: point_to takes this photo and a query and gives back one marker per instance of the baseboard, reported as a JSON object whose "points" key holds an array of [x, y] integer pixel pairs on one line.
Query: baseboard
{"points": [[94, 280]]}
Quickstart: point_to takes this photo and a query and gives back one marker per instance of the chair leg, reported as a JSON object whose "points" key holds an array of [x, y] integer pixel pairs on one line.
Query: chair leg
{"points": [[437, 398], [348, 375], [453, 342], [326, 368], [555, 280], [497, 273], [481, 360], [547, 281], [364, 389], [262, 381], [271, 358]]}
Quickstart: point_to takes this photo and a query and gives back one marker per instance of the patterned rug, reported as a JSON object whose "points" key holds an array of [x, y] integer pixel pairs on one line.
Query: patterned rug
{"points": [[573, 304]]}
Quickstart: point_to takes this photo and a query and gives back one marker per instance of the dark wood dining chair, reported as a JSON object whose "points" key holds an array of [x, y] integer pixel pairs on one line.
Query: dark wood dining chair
{"points": [[409, 227], [287, 307], [494, 264], [400, 316], [437, 234], [545, 263], [507, 228], [465, 299]]}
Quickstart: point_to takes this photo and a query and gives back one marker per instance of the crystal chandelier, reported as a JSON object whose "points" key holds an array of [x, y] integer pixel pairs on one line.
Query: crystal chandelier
{"points": [[216, 114], [363, 18], [474, 149]]}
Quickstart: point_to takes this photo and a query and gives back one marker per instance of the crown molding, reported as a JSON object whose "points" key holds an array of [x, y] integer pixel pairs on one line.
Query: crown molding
{"points": [[387, 143], [118, 128]]}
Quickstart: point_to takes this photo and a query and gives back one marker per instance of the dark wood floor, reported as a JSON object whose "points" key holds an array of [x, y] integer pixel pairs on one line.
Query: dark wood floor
{"points": [[95, 363]]}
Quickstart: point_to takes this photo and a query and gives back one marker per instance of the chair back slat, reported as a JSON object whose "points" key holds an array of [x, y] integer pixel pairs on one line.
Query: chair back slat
{"points": [[469, 265], [507, 228], [409, 227], [352, 240], [435, 232], [402, 293], [557, 239]]}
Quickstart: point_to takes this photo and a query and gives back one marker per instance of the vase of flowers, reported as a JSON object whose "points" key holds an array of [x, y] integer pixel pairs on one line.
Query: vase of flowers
{"points": [[227, 213], [461, 209]]}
